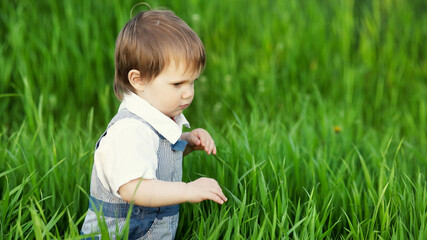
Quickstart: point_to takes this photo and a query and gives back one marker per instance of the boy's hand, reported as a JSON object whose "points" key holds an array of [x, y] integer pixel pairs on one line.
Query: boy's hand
{"points": [[204, 189], [200, 139]]}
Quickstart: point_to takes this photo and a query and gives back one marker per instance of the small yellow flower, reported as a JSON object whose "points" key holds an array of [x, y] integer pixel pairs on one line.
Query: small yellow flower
{"points": [[337, 129]]}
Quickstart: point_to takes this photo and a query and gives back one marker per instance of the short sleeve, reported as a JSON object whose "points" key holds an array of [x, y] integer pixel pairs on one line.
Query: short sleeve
{"points": [[127, 152]]}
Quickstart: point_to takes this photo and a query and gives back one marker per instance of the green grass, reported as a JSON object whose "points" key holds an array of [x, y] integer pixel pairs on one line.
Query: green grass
{"points": [[280, 77]]}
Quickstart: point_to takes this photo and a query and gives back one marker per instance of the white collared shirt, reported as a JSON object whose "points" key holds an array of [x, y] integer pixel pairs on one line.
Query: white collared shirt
{"points": [[129, 150]]}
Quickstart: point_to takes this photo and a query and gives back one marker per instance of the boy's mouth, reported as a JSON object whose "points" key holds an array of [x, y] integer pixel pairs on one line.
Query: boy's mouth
{"points": [[184, 106]]}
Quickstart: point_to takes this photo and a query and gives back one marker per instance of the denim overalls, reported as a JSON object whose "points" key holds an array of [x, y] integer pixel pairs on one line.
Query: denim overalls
{"points": [[145, 222]]}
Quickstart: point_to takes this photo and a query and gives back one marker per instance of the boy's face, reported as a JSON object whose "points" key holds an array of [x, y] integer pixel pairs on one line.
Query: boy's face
{"points": [[171, 91]]}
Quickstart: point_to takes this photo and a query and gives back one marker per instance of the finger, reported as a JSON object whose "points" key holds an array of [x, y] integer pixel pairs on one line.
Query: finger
{"points": [[216, 189], [202, 140], [220, 193], [223, 197], [195, 140], [214, 151], [209, 146], [214, 197]]}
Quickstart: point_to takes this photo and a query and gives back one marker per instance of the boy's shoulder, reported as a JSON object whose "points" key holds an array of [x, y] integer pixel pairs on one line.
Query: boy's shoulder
{"points": [[129, 120], [127, 135], [124, 113], [131, 129]]}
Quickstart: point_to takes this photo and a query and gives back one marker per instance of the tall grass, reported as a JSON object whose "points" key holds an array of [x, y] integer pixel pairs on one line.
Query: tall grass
{"points": [[318, 109]]}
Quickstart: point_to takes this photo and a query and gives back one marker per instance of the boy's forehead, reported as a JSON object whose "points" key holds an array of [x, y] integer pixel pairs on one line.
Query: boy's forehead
{"points": [[183, 68]]}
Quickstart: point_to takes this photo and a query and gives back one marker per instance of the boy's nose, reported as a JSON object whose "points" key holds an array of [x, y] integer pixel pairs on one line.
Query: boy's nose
{"points": [[188, 93]]}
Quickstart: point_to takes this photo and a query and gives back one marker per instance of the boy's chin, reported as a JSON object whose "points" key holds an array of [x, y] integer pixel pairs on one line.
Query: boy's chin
{"points": [[173, 115]]}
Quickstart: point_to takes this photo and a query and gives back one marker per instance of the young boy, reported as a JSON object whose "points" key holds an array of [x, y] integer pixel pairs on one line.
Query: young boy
{"points": [[138, 159]]}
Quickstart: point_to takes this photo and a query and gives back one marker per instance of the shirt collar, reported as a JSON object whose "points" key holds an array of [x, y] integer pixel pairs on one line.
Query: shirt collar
{"points": [[168, 128]]}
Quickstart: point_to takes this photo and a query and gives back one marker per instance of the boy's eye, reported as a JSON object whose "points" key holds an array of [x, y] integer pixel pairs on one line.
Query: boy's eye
{"points": [[177, 84]]}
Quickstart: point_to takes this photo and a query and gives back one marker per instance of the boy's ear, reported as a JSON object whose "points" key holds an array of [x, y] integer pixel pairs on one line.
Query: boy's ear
{"points": [[134, 77]]}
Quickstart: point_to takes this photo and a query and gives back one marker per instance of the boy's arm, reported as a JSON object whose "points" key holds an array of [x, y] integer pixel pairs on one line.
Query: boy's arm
{"points": [[198, 139], [156, 193]]}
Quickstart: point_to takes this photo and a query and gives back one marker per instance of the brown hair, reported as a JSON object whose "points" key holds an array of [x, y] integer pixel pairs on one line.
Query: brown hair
{"points": [[149, 42]]}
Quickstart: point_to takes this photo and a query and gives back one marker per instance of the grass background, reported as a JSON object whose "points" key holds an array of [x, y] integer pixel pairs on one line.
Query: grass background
{"points": [[318, 109]]}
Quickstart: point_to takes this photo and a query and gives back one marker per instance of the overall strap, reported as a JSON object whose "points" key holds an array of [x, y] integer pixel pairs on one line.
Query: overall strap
{"points": [[123, 114]]}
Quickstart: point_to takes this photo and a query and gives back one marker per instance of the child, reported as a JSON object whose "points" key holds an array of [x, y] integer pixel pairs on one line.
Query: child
{"points": [[138, 159]]}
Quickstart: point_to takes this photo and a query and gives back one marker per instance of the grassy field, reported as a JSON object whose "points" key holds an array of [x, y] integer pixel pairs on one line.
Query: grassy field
{"points": [[318, 109]]}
